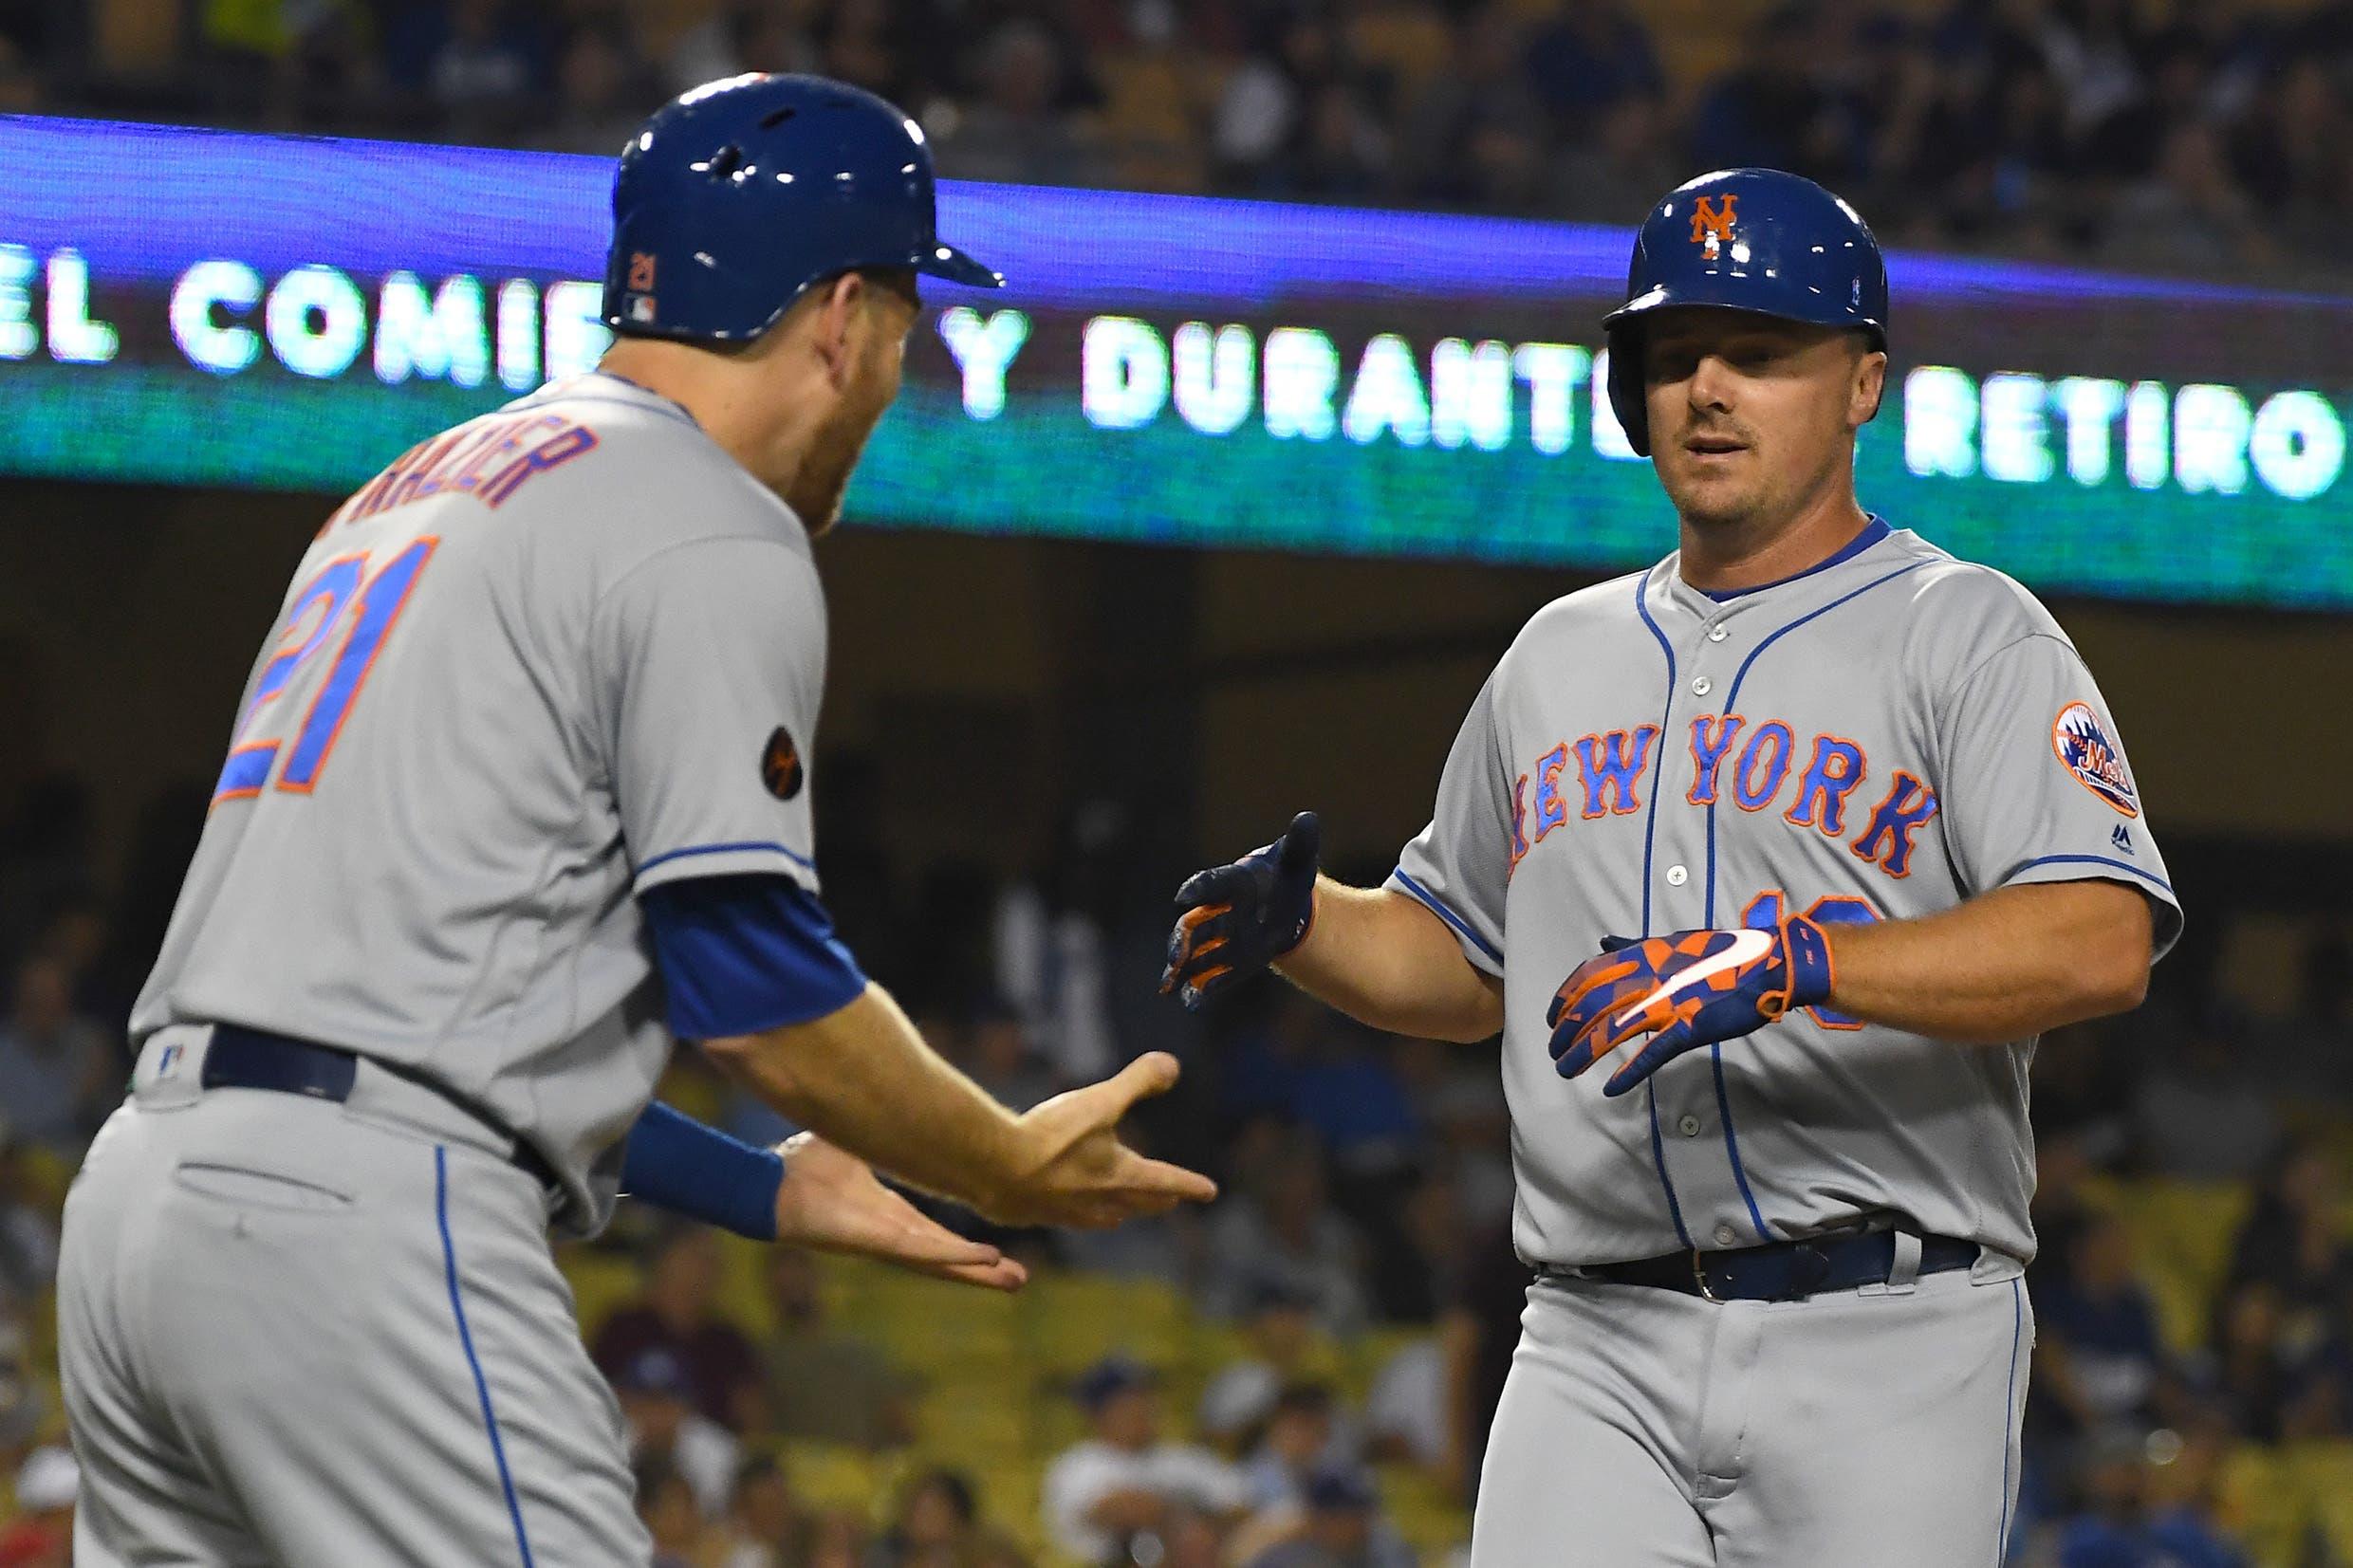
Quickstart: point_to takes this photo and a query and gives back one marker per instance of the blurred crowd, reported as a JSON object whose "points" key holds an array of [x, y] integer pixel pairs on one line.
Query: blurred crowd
{"points": [[1277, 1380], [2198, 135]]}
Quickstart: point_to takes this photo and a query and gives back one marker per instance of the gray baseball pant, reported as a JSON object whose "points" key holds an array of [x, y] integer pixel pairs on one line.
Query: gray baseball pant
{"points": [[325, 1335], [1644, 1428]]}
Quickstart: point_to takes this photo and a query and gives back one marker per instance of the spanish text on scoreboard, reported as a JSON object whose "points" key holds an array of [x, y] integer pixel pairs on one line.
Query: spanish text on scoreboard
{"points": [[197, 307]]}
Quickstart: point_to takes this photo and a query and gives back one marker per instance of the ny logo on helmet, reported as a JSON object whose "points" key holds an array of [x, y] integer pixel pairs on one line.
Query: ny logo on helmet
{"points": [[1711, 221]]}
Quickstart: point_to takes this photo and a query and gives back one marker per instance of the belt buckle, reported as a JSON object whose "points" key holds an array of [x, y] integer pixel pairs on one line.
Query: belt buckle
{"points": [[1700, 1277]]}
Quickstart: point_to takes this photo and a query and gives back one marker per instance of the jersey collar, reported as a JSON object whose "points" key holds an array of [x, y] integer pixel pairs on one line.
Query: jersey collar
{"points": [[1874, 529]]}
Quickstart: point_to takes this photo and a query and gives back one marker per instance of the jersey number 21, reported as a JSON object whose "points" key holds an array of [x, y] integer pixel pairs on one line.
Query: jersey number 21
{"points": [[343, 598]]}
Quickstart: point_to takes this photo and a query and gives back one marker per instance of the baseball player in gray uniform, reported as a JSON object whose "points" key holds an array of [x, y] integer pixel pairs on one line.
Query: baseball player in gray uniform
{"points": [[1770, 863], [518, 793]]}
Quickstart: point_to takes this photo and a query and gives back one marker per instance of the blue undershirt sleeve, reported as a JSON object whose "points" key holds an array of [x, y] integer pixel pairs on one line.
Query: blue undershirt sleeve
{"points": [[740, 954]]}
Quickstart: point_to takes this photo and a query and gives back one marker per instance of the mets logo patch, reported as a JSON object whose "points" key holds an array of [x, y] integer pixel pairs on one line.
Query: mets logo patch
{"points": [[2085, 751], [780, 766]]}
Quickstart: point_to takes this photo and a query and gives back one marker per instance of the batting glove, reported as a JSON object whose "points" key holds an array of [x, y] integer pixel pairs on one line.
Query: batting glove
{"points": [[1686, 989], [1241, 917]]}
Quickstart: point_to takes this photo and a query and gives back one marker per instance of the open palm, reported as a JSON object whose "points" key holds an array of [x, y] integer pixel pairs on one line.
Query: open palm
{"points": [[833, 1201]]}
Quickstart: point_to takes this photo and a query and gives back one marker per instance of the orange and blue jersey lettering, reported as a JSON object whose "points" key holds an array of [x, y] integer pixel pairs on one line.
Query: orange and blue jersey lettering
{"points": [[1611, 767], [1886, 838]]}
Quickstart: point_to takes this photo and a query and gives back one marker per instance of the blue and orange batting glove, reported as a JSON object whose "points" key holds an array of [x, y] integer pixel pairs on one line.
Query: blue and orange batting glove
{"points": [[1685, 989], [1241, 917]]}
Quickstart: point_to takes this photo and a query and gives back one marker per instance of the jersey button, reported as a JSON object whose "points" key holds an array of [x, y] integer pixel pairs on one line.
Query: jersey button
{"points": [[1726, 1235], [1689, 1127], [1677, 877], [1701, 685], [1717, 634]]}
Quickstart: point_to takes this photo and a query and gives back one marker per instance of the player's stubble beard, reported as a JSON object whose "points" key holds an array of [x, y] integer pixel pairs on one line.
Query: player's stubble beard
{"points": [[817, 491]]}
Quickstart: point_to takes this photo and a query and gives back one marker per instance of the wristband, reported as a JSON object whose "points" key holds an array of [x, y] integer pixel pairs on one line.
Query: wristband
{"points": [[677, 1163]]}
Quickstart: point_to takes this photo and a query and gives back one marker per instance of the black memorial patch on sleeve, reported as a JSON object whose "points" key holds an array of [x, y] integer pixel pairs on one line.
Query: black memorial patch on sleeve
{"points": [[780, 765]]}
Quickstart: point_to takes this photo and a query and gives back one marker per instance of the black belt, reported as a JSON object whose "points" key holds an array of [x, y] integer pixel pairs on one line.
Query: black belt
{"points": [[240, 1058], [1780, 1271]]}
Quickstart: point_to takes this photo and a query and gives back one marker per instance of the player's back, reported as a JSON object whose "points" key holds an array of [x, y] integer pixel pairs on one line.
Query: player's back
{"points": [[416, 848]]}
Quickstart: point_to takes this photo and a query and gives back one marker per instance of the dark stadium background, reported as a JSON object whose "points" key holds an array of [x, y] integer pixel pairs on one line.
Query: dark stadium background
{"points": [[1027, 743]]}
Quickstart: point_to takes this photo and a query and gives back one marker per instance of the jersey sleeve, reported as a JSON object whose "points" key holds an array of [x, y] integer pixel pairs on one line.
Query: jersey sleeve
{"points": [[714, 653], [1460, 865], [2036, 787]]}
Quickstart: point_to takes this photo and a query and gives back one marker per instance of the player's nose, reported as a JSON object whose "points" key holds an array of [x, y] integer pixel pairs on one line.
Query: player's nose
{"points": [[1713, 385]]}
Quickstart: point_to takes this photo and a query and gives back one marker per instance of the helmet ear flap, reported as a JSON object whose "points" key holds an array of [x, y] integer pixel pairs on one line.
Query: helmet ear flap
{"points": [[1627, 394]]}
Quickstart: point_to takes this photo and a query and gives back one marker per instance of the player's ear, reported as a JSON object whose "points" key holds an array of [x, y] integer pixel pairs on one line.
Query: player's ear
{"points": [[839, 306], [1868, 386]]}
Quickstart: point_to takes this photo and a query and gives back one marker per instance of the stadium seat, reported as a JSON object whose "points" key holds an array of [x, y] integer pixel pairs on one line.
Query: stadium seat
{"points": [[2262, 1499], [1074, 1320], [1426, 1513], [833, 1475], [2182, 1233], [2324, 1472]]}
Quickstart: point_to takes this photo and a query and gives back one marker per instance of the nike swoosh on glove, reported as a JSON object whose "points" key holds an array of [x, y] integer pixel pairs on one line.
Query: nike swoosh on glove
{"points": [[1685, 989], [1241, 917]]}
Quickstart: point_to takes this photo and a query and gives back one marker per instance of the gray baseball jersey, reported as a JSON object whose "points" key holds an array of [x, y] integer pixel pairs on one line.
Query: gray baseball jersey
{"points": [[546, 661], [1881, 737]]}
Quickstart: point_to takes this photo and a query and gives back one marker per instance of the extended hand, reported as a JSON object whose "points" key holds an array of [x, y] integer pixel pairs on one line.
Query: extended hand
{"points": [[1685, 989], [1241, 917], [833, 1201], [1079, 1173]]}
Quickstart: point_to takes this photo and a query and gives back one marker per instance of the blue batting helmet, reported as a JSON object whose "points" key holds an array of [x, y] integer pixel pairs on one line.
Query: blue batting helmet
{"points": [[1746, 239], [739, 194]]}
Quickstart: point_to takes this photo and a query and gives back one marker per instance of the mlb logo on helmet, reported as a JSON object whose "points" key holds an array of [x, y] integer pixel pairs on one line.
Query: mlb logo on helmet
{"points": [[1711, 221], [640, 287], [2085, 750]]}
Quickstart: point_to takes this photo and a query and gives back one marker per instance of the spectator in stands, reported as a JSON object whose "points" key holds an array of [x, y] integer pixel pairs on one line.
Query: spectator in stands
{"points": [[1615, 172], [938, 1524], [2098, 1350], [743, 35], [1281, 1230], [2313, 1049], [822, 1383], [1406, 1413], [1282, 1347], [2291, 1240], [1771, 110], [42, 1533], [28, 1228], [2119, 1528], [59, 1075], [602, 90], [1123, 1478], [766, 1526], [657, 1408], [1590, 57], [1302, 1435], [2200, 1114], [1418, 1250], [1020, 128], [1341, 1527], [678, 1312], [667, 1505], [997, 1055], [481, 65], [2187, 213]]}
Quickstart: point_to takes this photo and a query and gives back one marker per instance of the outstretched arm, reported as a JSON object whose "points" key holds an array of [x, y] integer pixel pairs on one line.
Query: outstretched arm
{"points": [[2011, 963], [2003, 965], [1384, 959]]}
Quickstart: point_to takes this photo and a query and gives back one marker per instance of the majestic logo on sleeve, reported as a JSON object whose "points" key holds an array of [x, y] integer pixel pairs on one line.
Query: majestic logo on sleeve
{"points": [[780, 766], [2084, 750]]}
